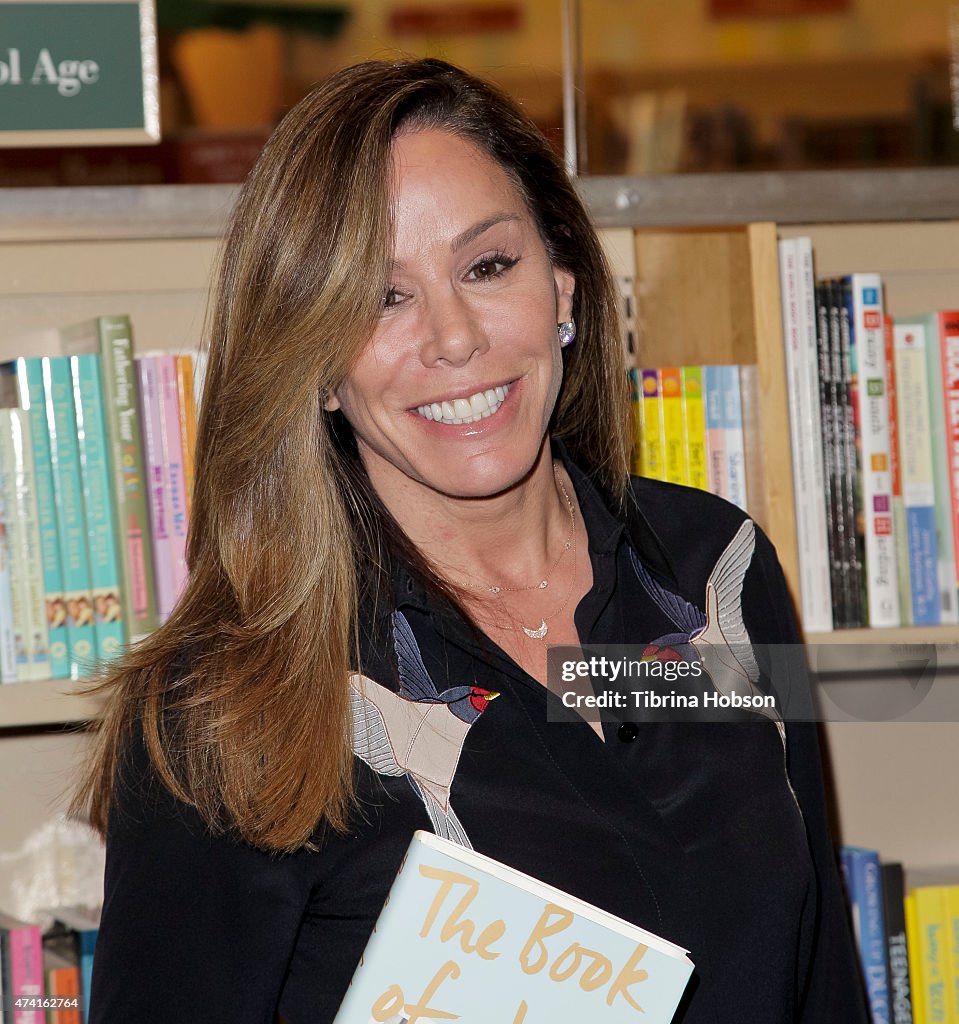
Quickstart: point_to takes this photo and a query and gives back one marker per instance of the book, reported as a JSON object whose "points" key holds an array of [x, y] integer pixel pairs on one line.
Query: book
{"points": [[636, 407], [171, 445], [948, 338], [863, 298], [933, 952], [916, 469], [68, 500], [187, 408], [674, 425], [27, 375], [732, 417], [461, 935], [112, 338], [895, 468], [694, 416], [864, 886], [805, 427], [897, 945], [74, 934], [915, 961], [652, 450], [22, 970], [62, 982], [716, 468], [23, 536]]}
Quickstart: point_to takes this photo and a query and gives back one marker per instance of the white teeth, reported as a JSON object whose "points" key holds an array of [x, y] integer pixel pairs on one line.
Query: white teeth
{"points": [[477, 407]]}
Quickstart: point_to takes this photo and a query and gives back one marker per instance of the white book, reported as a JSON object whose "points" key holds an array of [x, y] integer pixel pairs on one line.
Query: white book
{"points": [[797, 283], [868, 367]]}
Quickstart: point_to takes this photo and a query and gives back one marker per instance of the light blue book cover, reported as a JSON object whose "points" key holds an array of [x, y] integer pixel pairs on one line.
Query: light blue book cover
{"points": [[735, 442], [462, 936], [29, 382], [864, 885], [68, 496], [95, 474]]}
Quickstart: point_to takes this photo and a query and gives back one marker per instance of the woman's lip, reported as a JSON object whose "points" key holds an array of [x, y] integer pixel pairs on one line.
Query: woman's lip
{"points": [[464, 394], [480, 426]]}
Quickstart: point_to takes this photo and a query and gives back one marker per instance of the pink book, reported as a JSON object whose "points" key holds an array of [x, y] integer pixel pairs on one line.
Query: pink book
{"points": [[23, 969], [172, 445], [159, 507]]}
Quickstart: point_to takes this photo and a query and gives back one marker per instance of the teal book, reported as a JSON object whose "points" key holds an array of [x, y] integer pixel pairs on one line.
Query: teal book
{"points": [[462, 936], [28, 375], [101, 525], [68, 498]]}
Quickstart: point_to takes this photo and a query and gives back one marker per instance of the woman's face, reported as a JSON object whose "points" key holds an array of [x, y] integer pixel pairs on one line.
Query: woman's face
{"points": [[456, 387]]}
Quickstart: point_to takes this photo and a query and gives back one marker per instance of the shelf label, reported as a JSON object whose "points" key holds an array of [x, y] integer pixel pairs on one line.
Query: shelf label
{"points": [[78, 72]]}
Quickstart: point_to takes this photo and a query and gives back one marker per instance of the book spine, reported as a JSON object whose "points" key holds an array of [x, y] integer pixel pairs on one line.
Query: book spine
{"points": [[148, 390], [895, 469], [636, 408], [952, 921], [733, 431], [868, 370], [28, 539], [29, 375], [691, 378], [653, 447], [933, 953], [129, 476], [831, 433], [187, 408], [674, 427], [918, 491], [897, 955], [865, 888], [806, 434], [716, 469], [68, 496], [102, 533], [26, 969], [172, 447], [949, 605], [752, 441], [948, 334], [916, 985], [8, 635], [16, 539]]}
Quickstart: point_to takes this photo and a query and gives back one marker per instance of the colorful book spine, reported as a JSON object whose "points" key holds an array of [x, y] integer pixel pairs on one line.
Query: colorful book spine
{"points": [[8, 635], [916, 985], [895, 468], [653, 450], [29, 381], [16, 458], [636, 407], [952, 920], [864, 885], [916, 469], [112, 338], [735, 441], [63, 983], [933, 948], [749, 389], [799, 326], [187, 408], [897, 947], [172, 447], [148, 392], [868, 371], [717, 469], [101, 526], [674, 426], [22, 955], [694, 415], [948, 597], [71, 529], [948, 334]]}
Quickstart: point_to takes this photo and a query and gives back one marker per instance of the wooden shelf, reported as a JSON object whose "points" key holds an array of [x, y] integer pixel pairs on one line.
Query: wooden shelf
{"points": [[45, 702]]}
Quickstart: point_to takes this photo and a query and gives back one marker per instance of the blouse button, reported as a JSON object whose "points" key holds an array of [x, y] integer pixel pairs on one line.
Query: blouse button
{"points": [[628, 731]]}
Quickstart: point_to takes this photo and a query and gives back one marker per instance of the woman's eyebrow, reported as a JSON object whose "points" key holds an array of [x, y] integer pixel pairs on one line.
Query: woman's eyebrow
{"points": [[467, 236]]}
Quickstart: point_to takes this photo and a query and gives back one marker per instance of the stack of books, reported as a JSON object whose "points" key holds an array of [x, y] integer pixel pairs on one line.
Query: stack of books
{"points": [[96, 477]]}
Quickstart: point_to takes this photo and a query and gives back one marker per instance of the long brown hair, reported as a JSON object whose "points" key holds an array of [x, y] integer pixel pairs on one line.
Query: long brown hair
{"points": [[242, 693]]}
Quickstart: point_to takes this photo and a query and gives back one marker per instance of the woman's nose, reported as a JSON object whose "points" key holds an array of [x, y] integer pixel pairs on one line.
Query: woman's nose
{"points": [[453, 332]]}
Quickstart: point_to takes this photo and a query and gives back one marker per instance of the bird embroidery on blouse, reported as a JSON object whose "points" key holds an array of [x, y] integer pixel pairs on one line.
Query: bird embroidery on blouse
{"points": [[417, 732], [719, 638]]}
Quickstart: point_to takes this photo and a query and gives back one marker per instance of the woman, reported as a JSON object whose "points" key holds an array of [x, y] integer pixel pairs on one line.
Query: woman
{"points": [[411, 479]]}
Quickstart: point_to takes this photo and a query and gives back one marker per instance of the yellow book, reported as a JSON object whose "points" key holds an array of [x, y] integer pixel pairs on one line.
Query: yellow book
{"points": [[652, 450], [187, 406], [694, 412], [952, 921], [674, 427], [933, 953], [915, 970]]}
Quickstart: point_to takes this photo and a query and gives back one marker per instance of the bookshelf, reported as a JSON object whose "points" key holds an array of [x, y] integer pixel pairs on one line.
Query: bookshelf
{"points": [[706, 264]]}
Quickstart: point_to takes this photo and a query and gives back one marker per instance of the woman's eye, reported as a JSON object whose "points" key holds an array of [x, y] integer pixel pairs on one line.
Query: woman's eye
{"points": [[390, 298], [491, 267]]}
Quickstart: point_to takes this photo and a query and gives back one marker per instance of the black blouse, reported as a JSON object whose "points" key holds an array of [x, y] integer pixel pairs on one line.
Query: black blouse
{"points": [[712, 835]]}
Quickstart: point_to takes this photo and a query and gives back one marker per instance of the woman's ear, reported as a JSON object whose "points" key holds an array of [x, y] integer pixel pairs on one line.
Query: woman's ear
{"points": [[330, 402], [565, 286]]}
